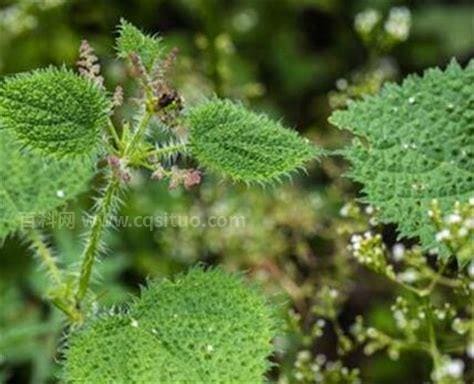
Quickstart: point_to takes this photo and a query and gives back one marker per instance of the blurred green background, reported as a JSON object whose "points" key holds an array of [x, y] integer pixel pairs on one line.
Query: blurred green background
{"points": [[296, 60]]}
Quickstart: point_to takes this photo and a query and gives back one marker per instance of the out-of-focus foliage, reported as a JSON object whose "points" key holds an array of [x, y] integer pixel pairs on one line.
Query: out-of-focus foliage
{"points": [[32, 185]]}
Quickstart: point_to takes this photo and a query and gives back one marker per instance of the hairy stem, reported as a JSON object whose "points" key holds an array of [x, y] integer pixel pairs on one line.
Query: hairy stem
{"points": [[140, 131], [113, 133], [59, 296], [105, 207], [40, 247]]}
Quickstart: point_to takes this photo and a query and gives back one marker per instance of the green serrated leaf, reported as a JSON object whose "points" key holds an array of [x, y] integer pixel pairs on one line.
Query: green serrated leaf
{"points": [[53, 111], [111, 350], [131, 40], [31, 185], [416, 144], [204, 327], [228, 138]]}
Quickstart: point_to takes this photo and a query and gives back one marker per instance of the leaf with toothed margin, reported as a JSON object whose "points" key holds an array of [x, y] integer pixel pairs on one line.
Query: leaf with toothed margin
{"points": [[53, 111], [415, 144], [249, 147], [32, 185], [202, 327], [133, 41]]}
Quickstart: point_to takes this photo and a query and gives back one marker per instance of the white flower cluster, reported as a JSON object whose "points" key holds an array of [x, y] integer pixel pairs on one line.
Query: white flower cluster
{"points": [[456, 229], [369, 250], [320, 370], [463, 225]]}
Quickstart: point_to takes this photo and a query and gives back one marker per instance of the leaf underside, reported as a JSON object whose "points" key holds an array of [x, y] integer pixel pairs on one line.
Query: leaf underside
{"points": [[204, 327], [243, 145], [53, 111], [31, 185], [416, 144]]}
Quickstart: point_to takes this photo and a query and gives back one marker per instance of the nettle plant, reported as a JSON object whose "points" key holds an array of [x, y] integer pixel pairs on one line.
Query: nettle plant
{"points": [[414, 146], [58, 132]]}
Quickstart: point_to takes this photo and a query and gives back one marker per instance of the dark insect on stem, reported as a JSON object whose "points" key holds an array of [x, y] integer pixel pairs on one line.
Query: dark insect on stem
{"points": [[169, 97]]}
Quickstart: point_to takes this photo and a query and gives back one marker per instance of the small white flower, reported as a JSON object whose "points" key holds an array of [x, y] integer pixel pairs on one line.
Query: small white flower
{"points": [[398, 252], [455, 368], [408, 276], [443, 235], [470, 350], [470, 269], [458, 326], [411, 100], [344, 212], [373, 221], [453, 219], [366, 21], [60, 193], [134, 323], [400, 319], [398, 23], [469, 224], [356, 238], [320, 359], [342, 84]]}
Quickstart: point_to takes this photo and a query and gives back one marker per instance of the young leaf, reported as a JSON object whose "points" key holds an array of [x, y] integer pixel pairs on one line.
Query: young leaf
{"points": [[53, 111], [204, 327], [133, 41], [228, 138], [416, 144], [32, 185]]}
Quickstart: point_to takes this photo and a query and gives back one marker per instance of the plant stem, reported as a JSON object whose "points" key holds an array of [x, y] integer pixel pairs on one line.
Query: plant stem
{"points": [[58, 293], [105, 207], [436, 279], [138, 134], [434, 351], [113, 133], [44, 253]]}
